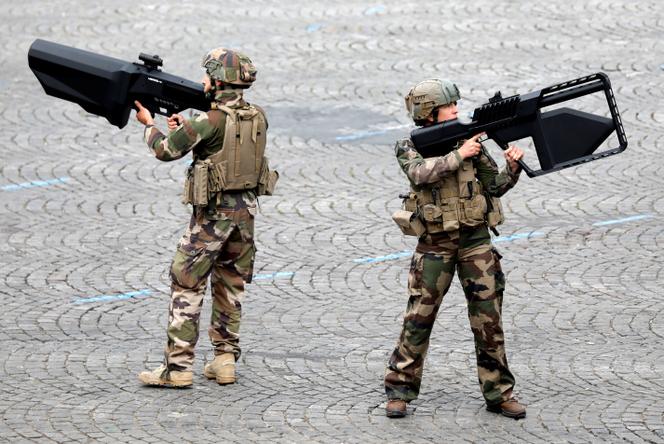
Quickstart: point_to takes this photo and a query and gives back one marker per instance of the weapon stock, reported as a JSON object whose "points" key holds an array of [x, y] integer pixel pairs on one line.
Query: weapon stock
{"points": [[563, 137], [107, 87]]}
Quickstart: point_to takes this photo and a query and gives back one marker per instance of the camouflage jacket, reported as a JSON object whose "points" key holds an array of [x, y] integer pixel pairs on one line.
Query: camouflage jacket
{"points": [[423, 172], [203, 134]]}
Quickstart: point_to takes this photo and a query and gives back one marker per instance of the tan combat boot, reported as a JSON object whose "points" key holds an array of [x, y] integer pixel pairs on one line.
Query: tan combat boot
{"points": [[160, 377], [395, 408], [511, 408], [222, 369]]}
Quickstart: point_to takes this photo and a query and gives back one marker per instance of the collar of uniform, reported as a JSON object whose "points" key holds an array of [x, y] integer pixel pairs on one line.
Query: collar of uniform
{"points": [[229, 97]]}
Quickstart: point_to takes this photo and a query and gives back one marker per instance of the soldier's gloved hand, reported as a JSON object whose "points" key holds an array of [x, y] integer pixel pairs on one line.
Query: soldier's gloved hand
{"points": [[471, 147], [174, 121]]}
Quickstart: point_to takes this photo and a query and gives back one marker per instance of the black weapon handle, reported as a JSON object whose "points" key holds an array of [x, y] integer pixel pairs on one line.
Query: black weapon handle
{"points": [[503, 145]]}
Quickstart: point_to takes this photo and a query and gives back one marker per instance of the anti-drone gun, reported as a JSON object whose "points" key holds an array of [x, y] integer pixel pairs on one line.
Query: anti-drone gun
{"points": [[563, 137], [107, 87]]}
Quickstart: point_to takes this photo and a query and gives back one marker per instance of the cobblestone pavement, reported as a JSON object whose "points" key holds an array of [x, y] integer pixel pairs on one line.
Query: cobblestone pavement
{"points": [[89, 223]]}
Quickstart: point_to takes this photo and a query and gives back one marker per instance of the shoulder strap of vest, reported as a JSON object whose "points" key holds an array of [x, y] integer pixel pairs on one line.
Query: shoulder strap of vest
{"points": [[262, 111], [231, 123], [226, 109], [251, 113]]}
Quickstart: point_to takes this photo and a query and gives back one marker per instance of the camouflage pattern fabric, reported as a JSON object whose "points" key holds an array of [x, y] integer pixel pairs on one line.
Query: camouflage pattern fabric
{"points": [[224, 250], [219, 243], [494, 182], [422, 172], [203, 127], [428, 95], [467, 251], [229, 66], [470, 253]]}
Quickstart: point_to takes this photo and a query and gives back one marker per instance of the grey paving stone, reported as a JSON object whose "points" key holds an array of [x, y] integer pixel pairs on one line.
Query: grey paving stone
{"points": [[583, 309]]}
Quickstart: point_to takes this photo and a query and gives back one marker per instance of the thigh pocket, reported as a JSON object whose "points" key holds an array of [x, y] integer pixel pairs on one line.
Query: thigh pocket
{"points": [[244, 264], [498, 274], [190, 266], [415, 275]]}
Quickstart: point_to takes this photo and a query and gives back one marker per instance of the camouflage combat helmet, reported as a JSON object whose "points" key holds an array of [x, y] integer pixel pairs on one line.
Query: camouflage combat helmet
{"points": [[230, 67], [424, 97]]}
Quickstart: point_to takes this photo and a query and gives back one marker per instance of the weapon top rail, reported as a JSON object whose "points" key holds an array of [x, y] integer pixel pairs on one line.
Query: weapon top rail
{"points": [[151, 61]]}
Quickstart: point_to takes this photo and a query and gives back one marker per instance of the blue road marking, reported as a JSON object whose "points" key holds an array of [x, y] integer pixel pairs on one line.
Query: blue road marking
{"points": [[281, 274], [516, 236], [388, 257], [623, 220], [360, 135], [113, 297], [406, 253], [375, 10], [314, 27], [34, 184]]}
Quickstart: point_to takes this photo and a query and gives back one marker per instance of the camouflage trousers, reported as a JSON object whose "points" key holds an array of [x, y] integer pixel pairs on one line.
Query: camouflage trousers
{"points": [[223, 250], [432, 268]]}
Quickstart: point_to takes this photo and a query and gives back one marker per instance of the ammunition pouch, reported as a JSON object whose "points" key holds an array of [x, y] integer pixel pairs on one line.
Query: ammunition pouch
{"points": [[441, 217], [457, 200], [196, 189], [267, 180], [240, 164], [204, 179], [495, 215], [473, 211], [216, 177], [408, 223]]}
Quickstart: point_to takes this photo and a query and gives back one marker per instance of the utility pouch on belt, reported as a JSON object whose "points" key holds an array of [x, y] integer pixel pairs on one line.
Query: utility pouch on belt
{"points": [[450, 210], [440, 218], [474, 210], [188, 194], [495, 214], [200, 185], [408, 223], [267, 180], [216, 177]]}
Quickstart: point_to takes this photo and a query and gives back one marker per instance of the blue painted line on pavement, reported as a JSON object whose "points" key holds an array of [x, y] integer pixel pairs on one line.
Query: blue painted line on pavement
{"points": [[623, 220], [281, 274], [518, 236], [360, 135], [34, 184], [113, 297], [375, 10], [388, 257], [406, 253], [314, 27]]}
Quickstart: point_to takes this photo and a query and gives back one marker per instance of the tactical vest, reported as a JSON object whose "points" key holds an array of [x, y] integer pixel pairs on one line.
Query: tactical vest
{"points": [[458, 200], [239, 165]]}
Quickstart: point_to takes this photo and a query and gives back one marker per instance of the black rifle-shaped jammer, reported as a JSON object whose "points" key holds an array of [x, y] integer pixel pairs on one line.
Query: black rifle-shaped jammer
{"points": [[107, 87], [563, 137]]}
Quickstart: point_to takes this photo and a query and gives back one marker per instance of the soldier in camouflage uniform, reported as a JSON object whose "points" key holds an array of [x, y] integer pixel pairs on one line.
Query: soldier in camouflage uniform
{"points": [[228, 171], [451, 207]]}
